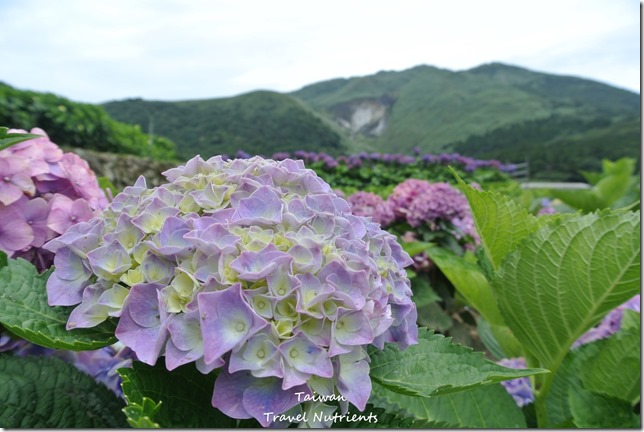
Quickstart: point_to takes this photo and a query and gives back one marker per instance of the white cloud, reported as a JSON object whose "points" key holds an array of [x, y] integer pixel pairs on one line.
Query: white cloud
{"points": [[183, 49]]}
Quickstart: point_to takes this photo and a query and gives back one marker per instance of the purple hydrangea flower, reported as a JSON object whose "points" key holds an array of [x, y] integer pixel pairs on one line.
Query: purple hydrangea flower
{"points": [[252, 265], [610, 324], [357, 160], [371, 205], [43, 191], [520, 388], [546, 207]]}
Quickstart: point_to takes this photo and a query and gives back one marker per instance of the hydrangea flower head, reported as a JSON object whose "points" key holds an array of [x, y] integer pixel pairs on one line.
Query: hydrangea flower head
{"points": [[369, 204], [420, 203], [250, 265], [43, 191], [405, 193]]}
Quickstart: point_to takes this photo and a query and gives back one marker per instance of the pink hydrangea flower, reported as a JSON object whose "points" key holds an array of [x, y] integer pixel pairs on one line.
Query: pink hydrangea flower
{"points": [[43, 191], [405, 194], [421, 203], [368, 204]]}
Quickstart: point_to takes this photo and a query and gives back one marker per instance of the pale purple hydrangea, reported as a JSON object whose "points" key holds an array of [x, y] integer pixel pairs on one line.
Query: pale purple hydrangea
{"points": [[546, 207], [369, 204], [250, 265], [610, 324], [520, 388], [43, 191]]}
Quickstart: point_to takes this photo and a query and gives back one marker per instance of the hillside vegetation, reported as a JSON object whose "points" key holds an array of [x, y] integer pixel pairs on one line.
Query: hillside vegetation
{"points": [[80, 125], [559, 147], [560, 124], [260, 122]]}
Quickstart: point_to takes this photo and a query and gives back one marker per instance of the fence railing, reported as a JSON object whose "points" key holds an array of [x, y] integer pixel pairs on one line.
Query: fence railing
{"points": [[521, 174]]}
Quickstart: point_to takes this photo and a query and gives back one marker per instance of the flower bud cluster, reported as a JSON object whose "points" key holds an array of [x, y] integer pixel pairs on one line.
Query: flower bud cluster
{"points": [[43, 191], [254, 266]]}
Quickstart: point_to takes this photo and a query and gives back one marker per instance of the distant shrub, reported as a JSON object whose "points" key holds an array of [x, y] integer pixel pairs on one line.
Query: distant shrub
{"points": [[72, 124]]}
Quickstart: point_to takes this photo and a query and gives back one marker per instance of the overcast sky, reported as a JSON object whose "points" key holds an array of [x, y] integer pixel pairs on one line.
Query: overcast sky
{"points": [[100, 50]]}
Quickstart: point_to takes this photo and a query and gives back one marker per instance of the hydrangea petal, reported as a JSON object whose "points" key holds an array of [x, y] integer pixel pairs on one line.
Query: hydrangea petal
{"points": [[306, 356], [257, 265], [241, 395], [143, 305], [227, 320], [353, 380], [263, 206], [258, 354], [89, 313], [15, 232], [65, 286], [109, 261]]}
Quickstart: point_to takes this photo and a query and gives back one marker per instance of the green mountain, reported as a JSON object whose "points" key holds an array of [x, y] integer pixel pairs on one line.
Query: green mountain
{"points": [[561, 124], [435, 108], [260, 122]]}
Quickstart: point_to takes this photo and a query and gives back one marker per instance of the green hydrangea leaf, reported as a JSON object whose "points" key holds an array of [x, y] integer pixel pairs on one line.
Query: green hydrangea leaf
{"points": [[9, 139], [140, 416], [423, 293], [591, 410], [631, 319], [415, 248], [608, 187], [436, 366], [499, 340], [45, 392], [180, 398], [566, 380], [500, 222], [482, 407], [469, 280], [616, 370], [24, 312], [372, 418], [565, 278], [107, 186]]}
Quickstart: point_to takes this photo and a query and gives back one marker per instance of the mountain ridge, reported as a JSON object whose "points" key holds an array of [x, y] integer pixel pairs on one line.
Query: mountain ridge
{"points": [[455, 105], [494, 110]]}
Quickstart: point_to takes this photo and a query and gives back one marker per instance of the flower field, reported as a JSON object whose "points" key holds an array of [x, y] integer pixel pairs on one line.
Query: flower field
{"points": [[303, 290]]}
